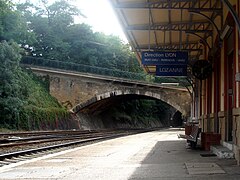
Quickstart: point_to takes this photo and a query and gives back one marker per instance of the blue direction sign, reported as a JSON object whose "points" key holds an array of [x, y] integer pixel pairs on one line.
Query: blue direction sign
{"points": [[164, 57], [171, 70]]}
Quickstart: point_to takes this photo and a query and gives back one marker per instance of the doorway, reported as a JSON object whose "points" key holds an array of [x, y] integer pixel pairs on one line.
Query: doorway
{"points": [[230, 86], [229, 122]]}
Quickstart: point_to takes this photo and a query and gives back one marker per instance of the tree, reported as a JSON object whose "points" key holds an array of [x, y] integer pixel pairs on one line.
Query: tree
{"points": [[10, 88], [58, 38], [13, 25], [82, 50], [21, 94], [50, 23]]}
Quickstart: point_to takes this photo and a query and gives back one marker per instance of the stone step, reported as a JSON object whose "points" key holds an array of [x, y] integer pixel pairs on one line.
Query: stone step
{"points": [[222, 152]]}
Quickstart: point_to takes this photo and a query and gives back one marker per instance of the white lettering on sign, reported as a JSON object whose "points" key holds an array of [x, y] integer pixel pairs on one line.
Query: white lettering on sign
{"points": [[159, 55], [153, 55], [179, 70], [164, 58], [170, 55]]}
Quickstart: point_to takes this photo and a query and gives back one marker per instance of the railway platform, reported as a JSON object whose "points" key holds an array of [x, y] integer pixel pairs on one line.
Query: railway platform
{"points": [[152, 155]]}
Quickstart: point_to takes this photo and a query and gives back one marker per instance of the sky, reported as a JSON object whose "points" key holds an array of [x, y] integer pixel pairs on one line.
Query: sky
{"points": [[99, 15]]}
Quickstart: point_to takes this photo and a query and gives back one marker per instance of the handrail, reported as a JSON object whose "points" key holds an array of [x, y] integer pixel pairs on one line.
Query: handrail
{"points": [[96, 70]]}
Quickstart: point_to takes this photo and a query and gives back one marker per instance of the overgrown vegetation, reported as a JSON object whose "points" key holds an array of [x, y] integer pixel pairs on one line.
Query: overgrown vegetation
{"points": [[24, 100]]}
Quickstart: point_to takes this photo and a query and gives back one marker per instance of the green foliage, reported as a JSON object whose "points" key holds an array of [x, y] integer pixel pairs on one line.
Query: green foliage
{"points": [[82, 68], [58, 38], [22, 95], [9, 88], [37, 118], [13, 25], [50, 23]]}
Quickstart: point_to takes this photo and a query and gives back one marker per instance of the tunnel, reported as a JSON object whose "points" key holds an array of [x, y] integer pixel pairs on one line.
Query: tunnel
{"points": [[129, 111]]}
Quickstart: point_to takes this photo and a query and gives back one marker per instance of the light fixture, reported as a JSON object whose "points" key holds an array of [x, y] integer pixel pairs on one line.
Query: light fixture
{"points": [[225, 31], [170, 84]]}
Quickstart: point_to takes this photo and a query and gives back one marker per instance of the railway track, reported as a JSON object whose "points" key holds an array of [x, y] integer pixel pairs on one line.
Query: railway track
{"points": [[15, 147]]}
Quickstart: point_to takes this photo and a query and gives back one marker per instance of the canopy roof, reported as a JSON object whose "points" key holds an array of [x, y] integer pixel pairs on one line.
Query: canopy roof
{"points": [[170, 25]]}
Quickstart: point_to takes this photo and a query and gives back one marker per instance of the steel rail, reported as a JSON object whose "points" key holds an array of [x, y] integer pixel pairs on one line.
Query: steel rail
{"points": [[12, 157]]}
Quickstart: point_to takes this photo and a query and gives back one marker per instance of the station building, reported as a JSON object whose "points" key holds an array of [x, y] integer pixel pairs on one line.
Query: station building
{"points": [[209, 31]]}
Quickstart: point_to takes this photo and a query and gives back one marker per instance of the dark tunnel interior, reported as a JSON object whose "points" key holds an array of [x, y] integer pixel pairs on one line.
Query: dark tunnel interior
{"points": [[135, 111]]}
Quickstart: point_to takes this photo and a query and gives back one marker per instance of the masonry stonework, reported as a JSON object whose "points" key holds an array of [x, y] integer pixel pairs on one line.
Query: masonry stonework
{"points": [[79, 90]]}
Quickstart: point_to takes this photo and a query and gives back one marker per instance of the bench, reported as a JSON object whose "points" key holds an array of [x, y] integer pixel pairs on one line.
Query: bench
{"points": [[193, 137]]}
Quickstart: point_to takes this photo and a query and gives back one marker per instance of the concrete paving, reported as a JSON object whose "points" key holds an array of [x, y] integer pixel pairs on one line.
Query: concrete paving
{"points": [[153, 155]]}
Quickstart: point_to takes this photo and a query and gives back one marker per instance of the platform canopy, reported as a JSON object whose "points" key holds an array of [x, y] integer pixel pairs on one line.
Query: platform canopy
{"points": [[170, 25]]}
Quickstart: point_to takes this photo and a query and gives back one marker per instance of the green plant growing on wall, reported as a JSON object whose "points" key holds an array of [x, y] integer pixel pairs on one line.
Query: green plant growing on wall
{"points": [[24, 99]]}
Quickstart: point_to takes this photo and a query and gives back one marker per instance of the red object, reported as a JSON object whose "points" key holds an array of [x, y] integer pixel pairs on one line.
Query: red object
{"points": [[188, 129], [208, 139]]}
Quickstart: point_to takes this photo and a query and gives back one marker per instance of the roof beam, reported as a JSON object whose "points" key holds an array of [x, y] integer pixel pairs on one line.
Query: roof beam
{"points": [[174, 26], [203, 5], [170, 49]]}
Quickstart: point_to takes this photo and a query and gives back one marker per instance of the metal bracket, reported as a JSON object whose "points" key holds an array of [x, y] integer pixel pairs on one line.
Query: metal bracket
{"points": [[233, 12]]}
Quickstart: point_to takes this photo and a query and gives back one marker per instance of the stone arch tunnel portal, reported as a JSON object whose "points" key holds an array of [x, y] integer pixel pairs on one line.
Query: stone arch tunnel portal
{"points": [[91, 95], [116, 110]]}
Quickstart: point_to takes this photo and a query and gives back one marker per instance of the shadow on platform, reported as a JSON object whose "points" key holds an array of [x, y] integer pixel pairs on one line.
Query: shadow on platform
{"points": [[170, 160]]}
